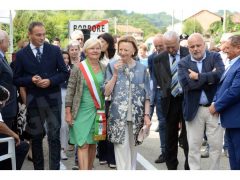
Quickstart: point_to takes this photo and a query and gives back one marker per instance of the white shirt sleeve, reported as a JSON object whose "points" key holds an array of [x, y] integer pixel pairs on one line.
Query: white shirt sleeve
{"points": [[1, 120]]}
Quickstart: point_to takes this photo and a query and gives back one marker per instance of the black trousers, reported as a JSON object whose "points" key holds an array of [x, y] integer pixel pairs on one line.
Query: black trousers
{"points": [[37, 119], [20, 151], [106, 148], [174, 117]]}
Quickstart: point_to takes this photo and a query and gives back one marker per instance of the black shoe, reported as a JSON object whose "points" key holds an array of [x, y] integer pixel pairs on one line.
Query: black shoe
{"points": [[161, 159]]}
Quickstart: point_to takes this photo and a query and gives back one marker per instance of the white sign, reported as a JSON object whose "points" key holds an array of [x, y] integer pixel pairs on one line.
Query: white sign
{"points": [[96, 27]]}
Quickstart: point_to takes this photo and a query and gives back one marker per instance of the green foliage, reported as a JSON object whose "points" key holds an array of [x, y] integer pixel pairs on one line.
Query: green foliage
{"points": [[192, 26], [56, 22], [216, 28]]}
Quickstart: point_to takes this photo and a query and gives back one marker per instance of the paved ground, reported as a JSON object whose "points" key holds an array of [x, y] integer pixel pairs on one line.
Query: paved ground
{"points": [[148, 152]]}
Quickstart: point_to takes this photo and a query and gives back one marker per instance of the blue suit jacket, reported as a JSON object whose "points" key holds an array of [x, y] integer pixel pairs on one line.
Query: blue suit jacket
{"points": [[208, 80], [227, 98], [51, 67], [6, 80]]}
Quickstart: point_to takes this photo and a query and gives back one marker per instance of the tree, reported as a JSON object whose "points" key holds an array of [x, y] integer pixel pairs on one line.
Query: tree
{"points": [[192, 26]]}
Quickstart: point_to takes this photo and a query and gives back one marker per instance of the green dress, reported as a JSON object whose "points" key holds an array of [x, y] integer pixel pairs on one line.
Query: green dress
{"points": [[83, 129]]}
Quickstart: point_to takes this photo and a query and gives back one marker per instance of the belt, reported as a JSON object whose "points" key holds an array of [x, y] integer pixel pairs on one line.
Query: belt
{"points": [[205, 105]]}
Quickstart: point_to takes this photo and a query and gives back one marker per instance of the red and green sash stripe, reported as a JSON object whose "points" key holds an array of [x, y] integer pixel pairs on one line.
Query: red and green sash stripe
{"points": [[98, 99]]}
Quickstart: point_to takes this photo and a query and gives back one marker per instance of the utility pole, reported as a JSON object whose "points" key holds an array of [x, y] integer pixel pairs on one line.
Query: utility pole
{"points": [[115, 25], [11, 32], [127, 27], [173, 20], [224, 21]]}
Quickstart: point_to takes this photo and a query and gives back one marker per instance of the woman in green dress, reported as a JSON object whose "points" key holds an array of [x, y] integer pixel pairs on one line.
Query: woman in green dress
{"points": [[80, 107]]}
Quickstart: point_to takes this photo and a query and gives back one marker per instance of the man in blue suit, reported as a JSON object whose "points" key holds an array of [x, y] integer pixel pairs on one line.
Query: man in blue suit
{"points": [[155, 98], [40, 68], [227, 101], [199, 74]]}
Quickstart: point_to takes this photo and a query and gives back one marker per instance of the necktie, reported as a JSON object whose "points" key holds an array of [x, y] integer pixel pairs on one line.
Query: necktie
{"points": [[38, 55], [175, 86]]}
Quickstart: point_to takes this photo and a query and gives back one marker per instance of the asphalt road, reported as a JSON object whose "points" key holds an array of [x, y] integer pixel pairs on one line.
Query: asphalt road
{"points": [[147, 153]]}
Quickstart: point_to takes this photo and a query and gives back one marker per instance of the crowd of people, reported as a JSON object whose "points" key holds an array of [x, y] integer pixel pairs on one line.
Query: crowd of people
{"points": [[97, 95]]}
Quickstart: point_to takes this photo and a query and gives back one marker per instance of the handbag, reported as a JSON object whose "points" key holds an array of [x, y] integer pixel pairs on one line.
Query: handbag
{"points": [[143, 133]]}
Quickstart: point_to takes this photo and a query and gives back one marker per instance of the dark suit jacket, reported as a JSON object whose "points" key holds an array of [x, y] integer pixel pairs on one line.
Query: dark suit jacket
{"points": [[163, 76], [151, 63], [227, 98], [6, 80], [208, 80], [51, 67]]}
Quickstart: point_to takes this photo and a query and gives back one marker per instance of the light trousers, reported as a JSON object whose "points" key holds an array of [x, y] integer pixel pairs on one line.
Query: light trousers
{"points": [[64, 131], [126, 153], [195, 133]]}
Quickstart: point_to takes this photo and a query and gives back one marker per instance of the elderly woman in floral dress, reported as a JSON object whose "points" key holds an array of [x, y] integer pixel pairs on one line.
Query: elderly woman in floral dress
{"points": [[127, 81]]}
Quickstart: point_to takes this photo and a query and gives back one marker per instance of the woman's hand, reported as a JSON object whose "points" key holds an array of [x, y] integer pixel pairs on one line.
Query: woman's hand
{"points": [[68, 118], [147, 120], [117, 66]]}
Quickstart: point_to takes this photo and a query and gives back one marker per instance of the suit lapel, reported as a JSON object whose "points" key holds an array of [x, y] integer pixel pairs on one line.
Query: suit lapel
{"points": [[235, 66], [46, 50], [30, 54], [167, 64]]}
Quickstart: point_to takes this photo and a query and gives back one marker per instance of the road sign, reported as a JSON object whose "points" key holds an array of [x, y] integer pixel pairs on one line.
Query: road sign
{"points": [[96, 27]]}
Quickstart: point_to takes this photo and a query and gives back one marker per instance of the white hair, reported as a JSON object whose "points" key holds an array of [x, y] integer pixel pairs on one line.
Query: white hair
{"points": [[225, 37], [3, 35], [171, 35], [76, 33]]}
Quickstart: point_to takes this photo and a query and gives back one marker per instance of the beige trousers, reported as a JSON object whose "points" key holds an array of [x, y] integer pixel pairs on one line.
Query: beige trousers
{"points": [[195, 133]]}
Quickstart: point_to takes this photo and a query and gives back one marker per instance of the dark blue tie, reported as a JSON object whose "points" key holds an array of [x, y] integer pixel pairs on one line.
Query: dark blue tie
{"points": [[38, 55]]}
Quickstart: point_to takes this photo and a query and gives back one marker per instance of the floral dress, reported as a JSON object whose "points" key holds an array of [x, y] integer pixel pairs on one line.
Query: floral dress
{"points": [[138, 78]]}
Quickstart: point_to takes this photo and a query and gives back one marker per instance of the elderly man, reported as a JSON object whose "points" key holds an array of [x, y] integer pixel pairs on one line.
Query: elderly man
{"points": [[9, 112], [227, 100], [21, 147], [165, 71], [155, 98], [199, 74]]}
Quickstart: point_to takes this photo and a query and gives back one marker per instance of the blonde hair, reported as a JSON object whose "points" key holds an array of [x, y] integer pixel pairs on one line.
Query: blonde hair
{"points": [[129, 39], [90, 43]]}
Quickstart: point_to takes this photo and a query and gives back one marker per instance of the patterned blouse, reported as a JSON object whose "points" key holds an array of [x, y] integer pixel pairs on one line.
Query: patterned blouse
{"points": [[138, 78]]}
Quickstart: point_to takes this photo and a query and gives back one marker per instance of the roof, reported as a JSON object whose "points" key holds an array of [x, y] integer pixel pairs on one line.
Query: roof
{"points": [[128, 28], [200, 12], [236, 18]]}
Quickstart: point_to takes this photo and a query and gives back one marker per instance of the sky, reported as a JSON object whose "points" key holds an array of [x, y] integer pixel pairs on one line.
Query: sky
{"points": [[182, 8]]}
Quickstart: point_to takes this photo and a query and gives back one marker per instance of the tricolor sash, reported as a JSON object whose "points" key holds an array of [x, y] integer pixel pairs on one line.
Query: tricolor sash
{"points": [[98, 99]]}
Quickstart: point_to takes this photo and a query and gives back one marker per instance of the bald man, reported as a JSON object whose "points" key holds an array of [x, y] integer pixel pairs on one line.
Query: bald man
{"points": [[199, 74]]}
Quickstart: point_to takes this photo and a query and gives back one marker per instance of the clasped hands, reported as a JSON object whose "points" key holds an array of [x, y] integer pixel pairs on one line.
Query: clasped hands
{"points": [[39, 82]]}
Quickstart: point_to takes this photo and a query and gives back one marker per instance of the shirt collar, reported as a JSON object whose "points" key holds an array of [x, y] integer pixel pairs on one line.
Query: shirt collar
{"points": [[34, 47], [177, 54], [234, 60], [1, 53], [197, 61]]}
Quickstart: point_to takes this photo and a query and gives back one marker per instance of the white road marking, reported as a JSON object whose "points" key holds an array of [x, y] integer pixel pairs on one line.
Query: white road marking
{"points": [[145, 163]]}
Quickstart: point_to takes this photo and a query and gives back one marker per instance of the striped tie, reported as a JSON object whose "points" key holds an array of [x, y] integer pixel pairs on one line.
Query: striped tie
{"points": [[175, 86], [38, 55]]}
